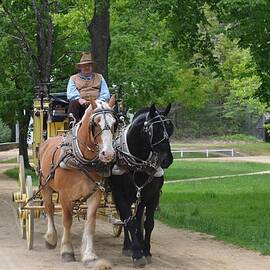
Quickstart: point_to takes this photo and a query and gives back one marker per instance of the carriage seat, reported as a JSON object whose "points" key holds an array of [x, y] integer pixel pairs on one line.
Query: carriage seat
{"points": [[58, 106]]}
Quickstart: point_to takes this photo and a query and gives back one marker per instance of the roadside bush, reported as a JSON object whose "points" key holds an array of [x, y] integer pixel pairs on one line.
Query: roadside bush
{"points": [[5, 132]]}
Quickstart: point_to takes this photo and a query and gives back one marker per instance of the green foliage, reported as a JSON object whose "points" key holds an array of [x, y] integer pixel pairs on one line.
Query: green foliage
{"points": [[225, 98], [200, 55], [241, 80], [186, 21], [140, 59], [5, 132], [12, 160], [249, 22], [194, 87], [16, 84], [14, 174]]}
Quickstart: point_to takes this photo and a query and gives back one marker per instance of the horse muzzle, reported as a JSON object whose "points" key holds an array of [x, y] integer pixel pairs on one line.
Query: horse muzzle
{"points": [[106, 156], [166, 161]]}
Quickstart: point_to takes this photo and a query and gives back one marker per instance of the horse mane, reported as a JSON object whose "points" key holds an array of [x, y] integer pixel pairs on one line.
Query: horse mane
{"points": [[99, 103], [140, 112]]}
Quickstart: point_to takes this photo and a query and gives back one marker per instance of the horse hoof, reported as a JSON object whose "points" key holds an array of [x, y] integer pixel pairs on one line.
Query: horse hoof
{"points": [[139, 263], [148, 259], [89, 263], [127, 252], [102, 264], [50, 246], [68, 257]]}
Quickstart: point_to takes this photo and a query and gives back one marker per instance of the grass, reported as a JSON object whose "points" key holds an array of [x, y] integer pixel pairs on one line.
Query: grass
{"points": [[182, 169], [235, 210], [13, 173], [12, 160]]}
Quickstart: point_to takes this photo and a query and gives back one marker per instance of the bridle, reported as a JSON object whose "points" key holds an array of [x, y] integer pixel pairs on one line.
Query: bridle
{"points": [[149, 128], [76, 141], [92, 123], [151, 164]]}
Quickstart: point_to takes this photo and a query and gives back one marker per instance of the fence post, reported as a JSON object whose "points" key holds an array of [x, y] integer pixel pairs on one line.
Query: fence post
{"points": [[207, 154], [182, 154]]}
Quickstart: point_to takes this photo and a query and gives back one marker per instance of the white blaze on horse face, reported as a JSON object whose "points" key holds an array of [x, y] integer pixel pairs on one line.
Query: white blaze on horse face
{"points": [[106, 152]]}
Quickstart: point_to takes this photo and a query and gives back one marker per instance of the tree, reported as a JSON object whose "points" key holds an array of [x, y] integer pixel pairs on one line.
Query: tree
{"points": [[5, 132], [100, 36], [28, 65], [248, 21], [141, 58], [35, 56]]}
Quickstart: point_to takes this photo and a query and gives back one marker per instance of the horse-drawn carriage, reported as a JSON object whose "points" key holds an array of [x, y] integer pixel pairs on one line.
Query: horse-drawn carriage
{"points": [[99, 147]]}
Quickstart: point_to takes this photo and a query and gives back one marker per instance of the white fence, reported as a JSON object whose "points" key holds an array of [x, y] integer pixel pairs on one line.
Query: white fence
{"points": [[206, 151]]}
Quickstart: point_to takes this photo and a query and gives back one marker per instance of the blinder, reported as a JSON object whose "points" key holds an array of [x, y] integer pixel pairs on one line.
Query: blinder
{"points": [[149, 128], [103, 113]]}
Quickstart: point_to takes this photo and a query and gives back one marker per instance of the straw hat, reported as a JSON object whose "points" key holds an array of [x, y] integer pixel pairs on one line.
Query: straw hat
{"points": [[86, 58]]}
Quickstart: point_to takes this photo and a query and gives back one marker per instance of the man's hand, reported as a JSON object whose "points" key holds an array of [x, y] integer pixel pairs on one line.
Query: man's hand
{"points": [[83, 101]]}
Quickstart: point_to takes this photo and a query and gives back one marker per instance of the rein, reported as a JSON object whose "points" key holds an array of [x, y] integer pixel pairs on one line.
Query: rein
{"points": [[135, 164], [74, 153], [138, 196], [148, 128], [103, 112]]}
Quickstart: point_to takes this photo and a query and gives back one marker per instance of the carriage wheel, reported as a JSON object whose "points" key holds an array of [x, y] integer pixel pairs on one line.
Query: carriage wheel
{"points": [[30, 214], [23, 228], [21, 175], [22, 190], [117, 229]]}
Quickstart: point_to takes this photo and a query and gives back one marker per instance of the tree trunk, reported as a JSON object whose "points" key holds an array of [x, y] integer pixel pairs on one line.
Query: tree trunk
{"points": [[99, 30], [44, 41], [23, 134], [40, 58]]}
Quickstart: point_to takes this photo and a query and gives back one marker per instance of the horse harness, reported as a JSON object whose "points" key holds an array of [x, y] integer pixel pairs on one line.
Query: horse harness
{"points": [[71, 156], [134, 164]]}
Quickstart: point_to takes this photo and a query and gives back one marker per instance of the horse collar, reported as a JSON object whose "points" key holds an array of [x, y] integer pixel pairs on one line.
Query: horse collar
{"points": [[148, 128], [149, 165], [75, 146]]}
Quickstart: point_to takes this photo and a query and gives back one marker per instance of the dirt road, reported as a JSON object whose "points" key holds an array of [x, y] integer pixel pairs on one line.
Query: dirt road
{"points": [[171, 248]]}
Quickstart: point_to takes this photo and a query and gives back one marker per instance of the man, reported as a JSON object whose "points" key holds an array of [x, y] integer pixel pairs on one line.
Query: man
{"points": [[84, 85]]}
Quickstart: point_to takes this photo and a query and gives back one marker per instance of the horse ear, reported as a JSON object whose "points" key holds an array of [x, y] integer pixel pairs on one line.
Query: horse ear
{"points": [[112, 101], [167, 110], [152, 110], [93, 103]]}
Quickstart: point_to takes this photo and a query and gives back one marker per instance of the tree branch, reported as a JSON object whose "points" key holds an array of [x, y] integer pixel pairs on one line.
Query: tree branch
{"points": [[26, 46], [49, 46], [8, 34]]}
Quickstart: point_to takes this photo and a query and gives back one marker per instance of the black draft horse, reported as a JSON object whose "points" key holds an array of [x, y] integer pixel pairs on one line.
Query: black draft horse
{"points": [[144, 151]]}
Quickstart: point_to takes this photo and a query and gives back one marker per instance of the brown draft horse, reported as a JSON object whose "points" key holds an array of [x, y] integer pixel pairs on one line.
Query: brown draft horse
{"points": [[94, 138]]}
